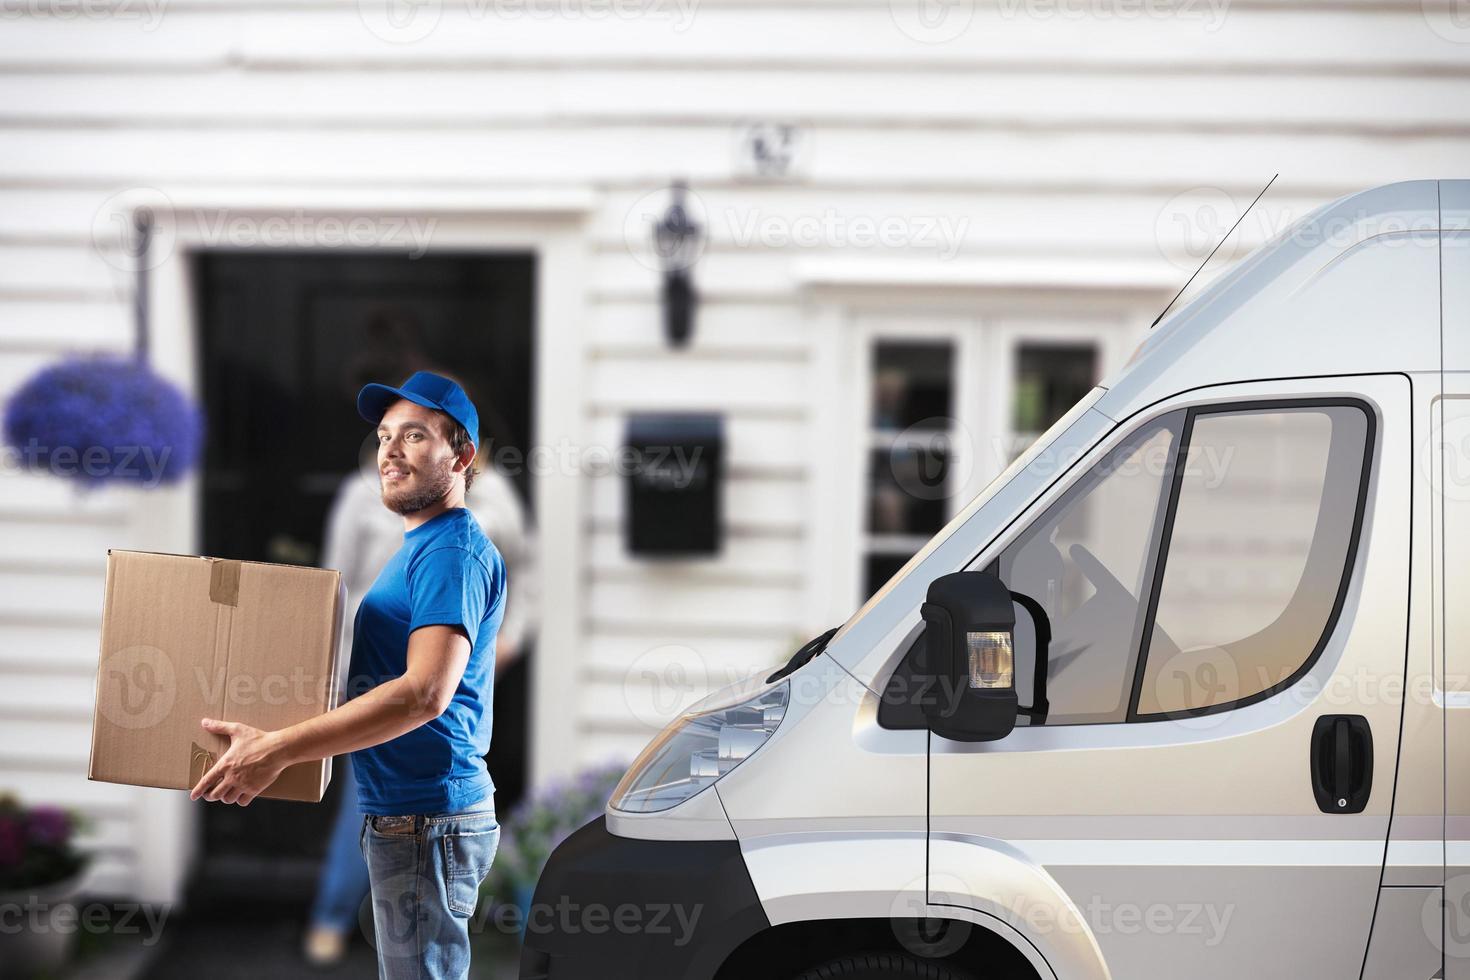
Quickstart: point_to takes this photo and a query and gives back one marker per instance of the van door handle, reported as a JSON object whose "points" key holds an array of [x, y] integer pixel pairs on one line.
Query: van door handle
{"points": [[1342, 763]]}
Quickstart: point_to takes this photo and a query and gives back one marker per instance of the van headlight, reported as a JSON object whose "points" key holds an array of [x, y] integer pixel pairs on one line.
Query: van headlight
{"points": [[708, 740]]}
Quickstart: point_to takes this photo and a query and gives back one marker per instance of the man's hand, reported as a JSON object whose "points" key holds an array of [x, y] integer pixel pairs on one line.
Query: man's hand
{"points": [[245, 770]]}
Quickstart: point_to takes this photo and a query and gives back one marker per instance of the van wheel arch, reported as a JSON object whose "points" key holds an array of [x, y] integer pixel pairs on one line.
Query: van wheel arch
{"points": [[793, 950]]}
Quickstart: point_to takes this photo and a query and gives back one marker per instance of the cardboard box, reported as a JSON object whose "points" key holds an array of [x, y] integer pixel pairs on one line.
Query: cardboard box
{"points": [[186, 637]]}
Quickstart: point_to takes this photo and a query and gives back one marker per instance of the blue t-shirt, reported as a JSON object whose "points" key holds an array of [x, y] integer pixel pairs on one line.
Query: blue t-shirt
{"points": [[447, 572]]}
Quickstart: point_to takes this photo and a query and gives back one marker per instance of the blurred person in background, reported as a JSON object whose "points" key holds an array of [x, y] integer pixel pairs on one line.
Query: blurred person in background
{"points": [[361, 535]]}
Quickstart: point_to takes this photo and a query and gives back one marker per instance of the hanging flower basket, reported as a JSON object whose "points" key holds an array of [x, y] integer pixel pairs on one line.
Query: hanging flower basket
{"points": [[104, 419]]}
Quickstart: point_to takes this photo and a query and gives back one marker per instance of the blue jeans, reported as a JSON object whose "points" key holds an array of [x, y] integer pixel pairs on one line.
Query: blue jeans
{"points": [[426, 872]]}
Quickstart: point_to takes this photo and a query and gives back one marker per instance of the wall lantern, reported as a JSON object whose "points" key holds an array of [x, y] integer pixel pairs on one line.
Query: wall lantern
{"points": [[678, 240]]}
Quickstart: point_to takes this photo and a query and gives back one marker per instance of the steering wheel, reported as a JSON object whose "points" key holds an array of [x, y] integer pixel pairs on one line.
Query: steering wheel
{"points": [[1097, 573]]}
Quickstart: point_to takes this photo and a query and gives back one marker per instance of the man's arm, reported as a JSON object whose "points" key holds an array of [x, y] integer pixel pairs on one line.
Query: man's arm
{"points": [[437, 656]]}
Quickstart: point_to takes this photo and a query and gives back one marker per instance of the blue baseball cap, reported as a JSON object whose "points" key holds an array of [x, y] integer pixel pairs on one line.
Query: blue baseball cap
{"points": [[427, 389]]}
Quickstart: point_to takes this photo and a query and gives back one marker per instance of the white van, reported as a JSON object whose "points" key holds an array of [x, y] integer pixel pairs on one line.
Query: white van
{"points": [[1184, 693]]}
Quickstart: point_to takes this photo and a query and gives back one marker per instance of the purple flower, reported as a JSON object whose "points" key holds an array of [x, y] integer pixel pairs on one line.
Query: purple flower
{"points": [[104, 419], [49, 826], [12, 843]]}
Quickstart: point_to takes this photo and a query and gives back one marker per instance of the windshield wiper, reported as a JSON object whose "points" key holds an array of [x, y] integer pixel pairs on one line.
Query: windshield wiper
{"points": [[800, 658]]}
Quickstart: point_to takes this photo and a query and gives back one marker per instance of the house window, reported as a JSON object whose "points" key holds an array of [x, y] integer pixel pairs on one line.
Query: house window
{"points": [[909, 452], [941, 403], [1050, 379]]}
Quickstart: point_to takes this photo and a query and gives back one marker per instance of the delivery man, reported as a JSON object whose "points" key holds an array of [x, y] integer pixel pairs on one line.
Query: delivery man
{"points": [[423, 655]]}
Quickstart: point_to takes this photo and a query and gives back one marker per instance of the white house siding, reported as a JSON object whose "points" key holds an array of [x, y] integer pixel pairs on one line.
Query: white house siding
{"points": [[1058, 137]]}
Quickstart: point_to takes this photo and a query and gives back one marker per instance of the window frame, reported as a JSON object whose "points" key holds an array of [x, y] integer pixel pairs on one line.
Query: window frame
{"points": [[1158, 557]]}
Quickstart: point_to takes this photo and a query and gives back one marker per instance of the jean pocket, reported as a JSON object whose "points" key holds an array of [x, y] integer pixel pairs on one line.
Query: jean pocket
{"points": [[467, 859]]}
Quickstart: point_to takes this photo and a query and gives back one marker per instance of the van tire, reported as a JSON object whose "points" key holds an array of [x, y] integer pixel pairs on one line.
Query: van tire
{"points": [[882, 966]]}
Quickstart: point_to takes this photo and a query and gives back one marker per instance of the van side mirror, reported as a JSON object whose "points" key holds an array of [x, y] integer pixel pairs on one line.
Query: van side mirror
{"points": [[968, 649]]}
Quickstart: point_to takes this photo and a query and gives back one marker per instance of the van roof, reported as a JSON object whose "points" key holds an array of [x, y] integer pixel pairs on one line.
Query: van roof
{"points": [[1352, 288]]}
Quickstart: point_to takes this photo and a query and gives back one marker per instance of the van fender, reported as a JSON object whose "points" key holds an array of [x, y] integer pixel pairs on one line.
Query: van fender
{"points": [[812, 876], [994, 879]]}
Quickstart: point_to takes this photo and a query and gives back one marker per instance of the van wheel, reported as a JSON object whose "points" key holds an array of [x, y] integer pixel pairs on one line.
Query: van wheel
{"points": [[881, 966]]}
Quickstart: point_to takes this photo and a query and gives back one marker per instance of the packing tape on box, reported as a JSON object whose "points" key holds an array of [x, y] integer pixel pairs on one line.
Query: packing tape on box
{"points": [[224, 581], [224, 588], [201, 760]]}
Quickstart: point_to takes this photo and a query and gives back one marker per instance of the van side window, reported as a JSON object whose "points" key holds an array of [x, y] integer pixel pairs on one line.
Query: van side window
{"points": [[1263, 524], [1087, 561]]}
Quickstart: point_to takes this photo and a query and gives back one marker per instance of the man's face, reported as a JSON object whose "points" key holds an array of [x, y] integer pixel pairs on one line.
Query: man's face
{"points": [[415, 463]]}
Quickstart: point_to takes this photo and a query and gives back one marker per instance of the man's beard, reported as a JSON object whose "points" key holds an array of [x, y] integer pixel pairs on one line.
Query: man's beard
{"points": [[433, 486]]}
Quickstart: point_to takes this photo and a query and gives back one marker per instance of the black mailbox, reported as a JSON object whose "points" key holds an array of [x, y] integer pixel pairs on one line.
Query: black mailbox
{"points": [[675, 472]]}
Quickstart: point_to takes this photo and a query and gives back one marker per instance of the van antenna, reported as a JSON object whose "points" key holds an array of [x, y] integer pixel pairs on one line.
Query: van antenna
{"points": [[1213, 251]]}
